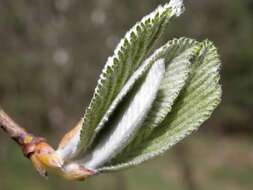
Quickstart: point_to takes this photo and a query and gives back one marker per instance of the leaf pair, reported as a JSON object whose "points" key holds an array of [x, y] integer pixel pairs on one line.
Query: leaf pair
{"points": [[192, 83], [145, 104]]}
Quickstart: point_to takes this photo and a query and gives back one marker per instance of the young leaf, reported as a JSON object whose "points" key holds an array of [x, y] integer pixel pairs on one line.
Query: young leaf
{"points": [[130, 119], [195, 104], [128, 56], [178, 55]]}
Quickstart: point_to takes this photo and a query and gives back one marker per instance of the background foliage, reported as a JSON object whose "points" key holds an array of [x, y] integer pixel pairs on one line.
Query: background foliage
{"points": [[52, 52]]}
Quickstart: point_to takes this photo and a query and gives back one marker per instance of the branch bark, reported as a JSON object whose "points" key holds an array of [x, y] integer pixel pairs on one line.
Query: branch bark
{"points": [[42, 155], [24, 139], [10, 127]]}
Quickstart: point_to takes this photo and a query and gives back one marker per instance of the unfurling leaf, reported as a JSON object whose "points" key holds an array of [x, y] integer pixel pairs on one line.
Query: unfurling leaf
{"points": [[145, 102], [129, 119], [128, 56], [195, 103]]}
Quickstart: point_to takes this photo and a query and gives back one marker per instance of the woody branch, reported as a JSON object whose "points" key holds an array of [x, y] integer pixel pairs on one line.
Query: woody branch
{"points": [[18, 134], [10, 127]]}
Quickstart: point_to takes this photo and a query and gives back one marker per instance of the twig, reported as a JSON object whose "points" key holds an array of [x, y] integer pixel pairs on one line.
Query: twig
{"points": [[26, 140], [42, 155], [12, 128]]}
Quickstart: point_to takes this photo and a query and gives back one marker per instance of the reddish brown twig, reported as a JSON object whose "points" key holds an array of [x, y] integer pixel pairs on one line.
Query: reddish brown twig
{"points": [[42, 155], [33, 147], [26, 140], [9, 126]]}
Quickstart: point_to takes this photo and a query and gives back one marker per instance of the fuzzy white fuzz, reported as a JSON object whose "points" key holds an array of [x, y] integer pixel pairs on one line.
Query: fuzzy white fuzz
{"points": [[130, 121]]}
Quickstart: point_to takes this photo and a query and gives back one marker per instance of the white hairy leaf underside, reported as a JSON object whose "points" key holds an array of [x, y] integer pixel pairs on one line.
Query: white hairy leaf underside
{"points": [[130, 120]]}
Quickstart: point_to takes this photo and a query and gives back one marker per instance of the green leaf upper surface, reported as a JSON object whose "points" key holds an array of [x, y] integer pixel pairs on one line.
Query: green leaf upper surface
{"points": [[194, 105], [128, 56]]}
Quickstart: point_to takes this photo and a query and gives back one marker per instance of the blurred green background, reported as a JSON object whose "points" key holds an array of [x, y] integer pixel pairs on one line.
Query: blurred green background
{"points": [[51, 54]]}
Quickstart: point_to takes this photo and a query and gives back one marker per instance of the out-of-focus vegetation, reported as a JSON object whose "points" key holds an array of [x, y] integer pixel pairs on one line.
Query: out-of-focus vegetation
{"points": [[51, 53]]}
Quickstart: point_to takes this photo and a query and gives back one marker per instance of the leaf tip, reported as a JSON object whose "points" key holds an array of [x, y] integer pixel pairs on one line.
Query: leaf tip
{"points": [[177, 7]]}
